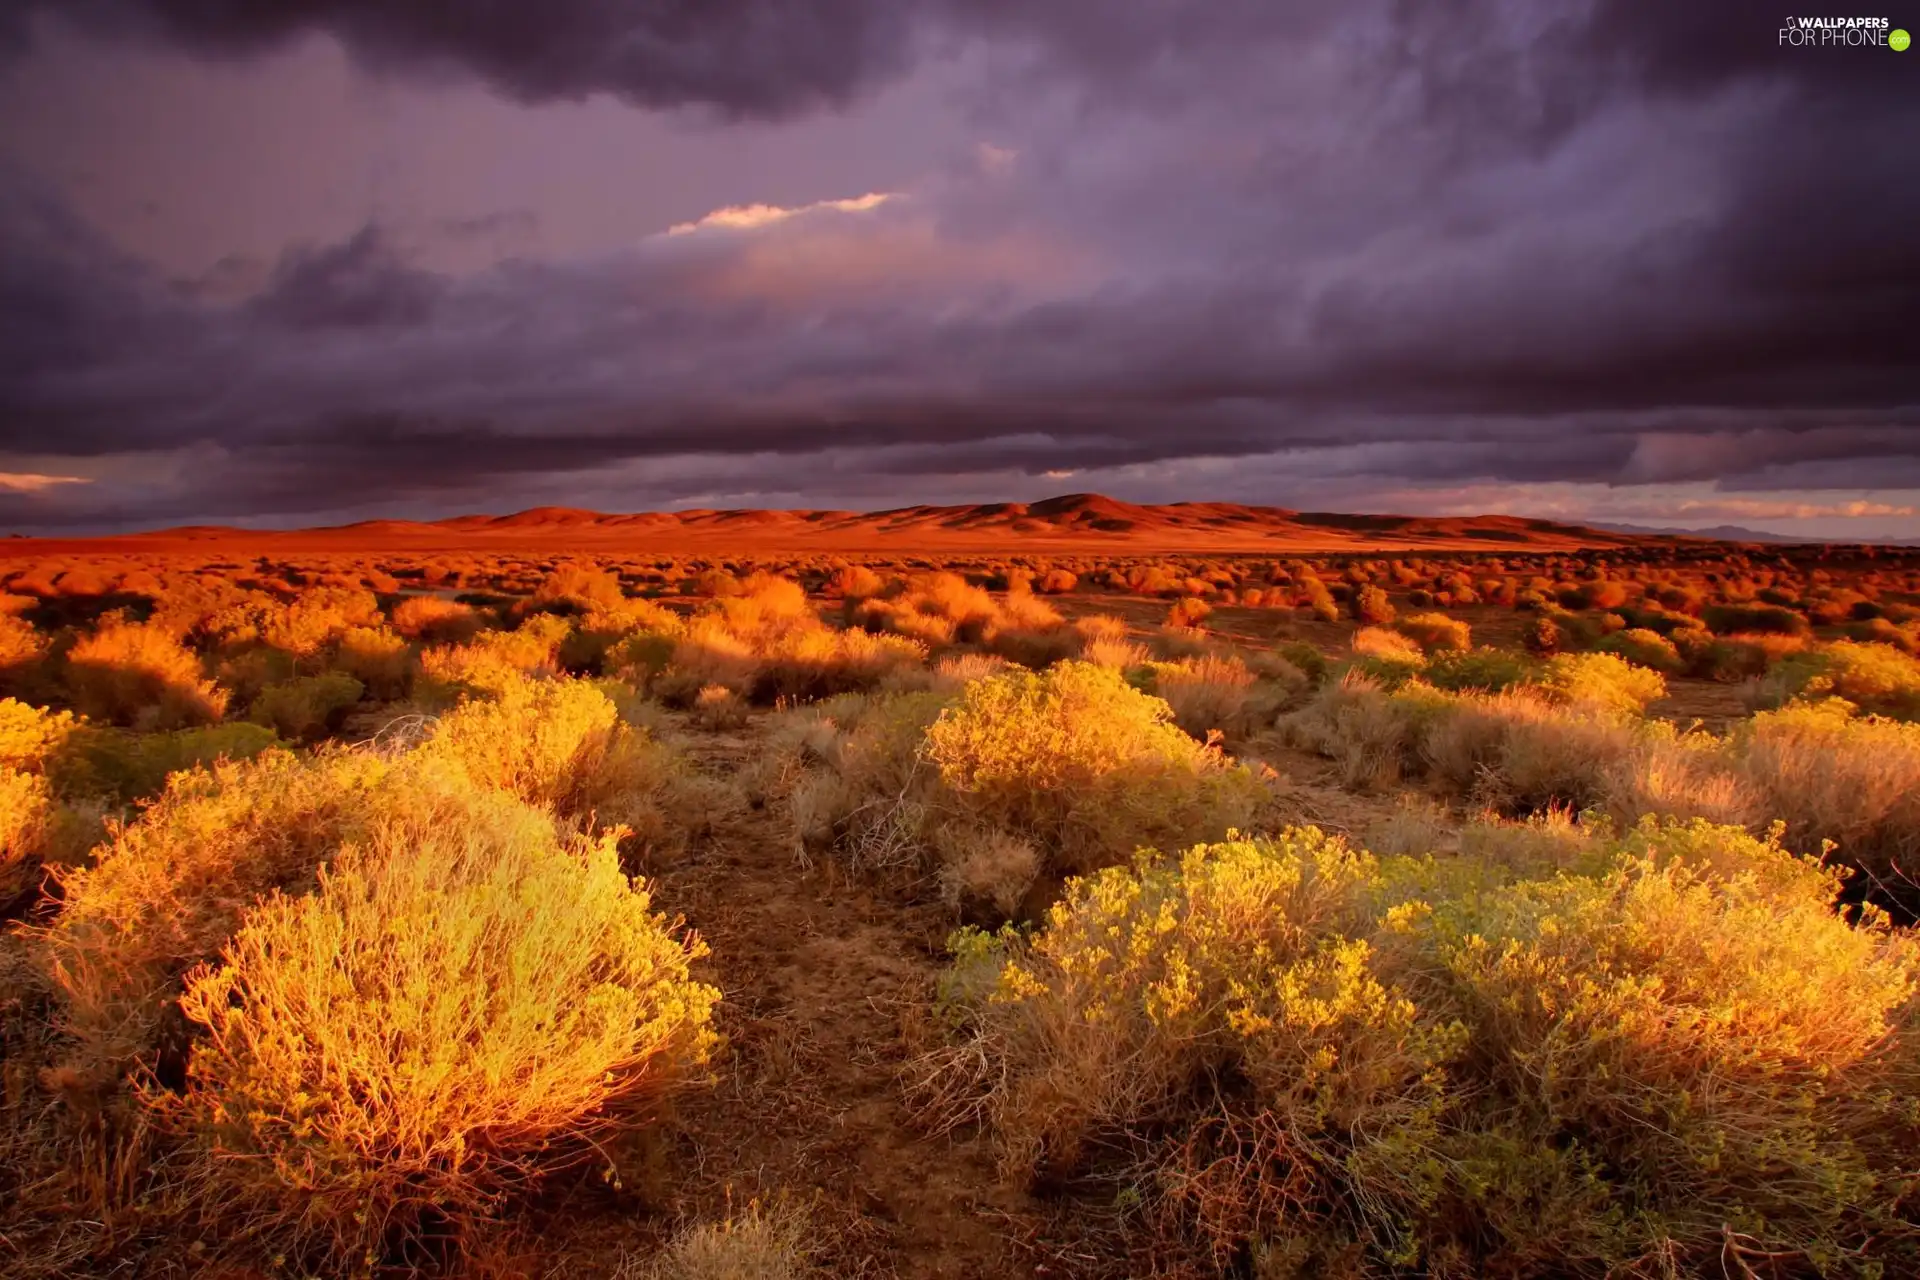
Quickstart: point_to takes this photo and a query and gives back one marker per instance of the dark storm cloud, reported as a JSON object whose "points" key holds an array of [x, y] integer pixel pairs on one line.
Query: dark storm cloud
{"points": [[757, 57], [1629, 242]]}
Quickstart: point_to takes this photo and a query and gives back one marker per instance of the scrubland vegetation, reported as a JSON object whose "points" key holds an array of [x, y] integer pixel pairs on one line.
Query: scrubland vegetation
{"points": [[1525, 915]]}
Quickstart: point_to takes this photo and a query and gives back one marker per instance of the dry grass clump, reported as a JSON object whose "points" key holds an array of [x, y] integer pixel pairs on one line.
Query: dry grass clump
{"points": [[138, 674], [454, 1012], [762, 1243], [1832, 776], [1668, 1052]]}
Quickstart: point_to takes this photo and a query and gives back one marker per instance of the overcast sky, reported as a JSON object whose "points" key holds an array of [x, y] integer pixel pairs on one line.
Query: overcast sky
{"points": [[301, 261]]}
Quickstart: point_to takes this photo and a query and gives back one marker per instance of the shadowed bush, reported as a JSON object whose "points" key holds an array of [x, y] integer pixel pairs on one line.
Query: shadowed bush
{"points": [[306, 707]]}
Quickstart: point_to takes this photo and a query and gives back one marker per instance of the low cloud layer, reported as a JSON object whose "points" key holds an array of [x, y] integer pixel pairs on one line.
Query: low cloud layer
{"points": [[1368, 249]]}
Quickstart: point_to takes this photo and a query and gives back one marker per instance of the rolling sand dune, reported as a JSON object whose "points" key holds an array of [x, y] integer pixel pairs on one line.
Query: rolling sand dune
{"points": [[1077, 521]]}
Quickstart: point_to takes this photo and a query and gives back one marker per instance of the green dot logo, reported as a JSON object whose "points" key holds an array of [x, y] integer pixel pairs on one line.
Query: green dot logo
{"points": [[1899, 40]]}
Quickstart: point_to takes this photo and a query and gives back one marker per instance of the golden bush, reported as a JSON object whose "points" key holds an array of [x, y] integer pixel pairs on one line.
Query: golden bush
{"points": [[1613, 1055], [1874, 677], [1435, 632], [1083, 765], [138, 674], [170, 886], [378, 658], [436, 620], [453, 1013]]}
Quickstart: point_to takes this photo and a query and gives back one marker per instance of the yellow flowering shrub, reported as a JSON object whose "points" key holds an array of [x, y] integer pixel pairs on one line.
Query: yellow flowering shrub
{"points": [[1650, 1051], [456, 1009], [1083, 765]]}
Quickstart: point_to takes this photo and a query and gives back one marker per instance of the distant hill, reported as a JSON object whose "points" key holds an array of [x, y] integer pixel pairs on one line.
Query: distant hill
{"points": [[1735, 533], [1068, 524]]}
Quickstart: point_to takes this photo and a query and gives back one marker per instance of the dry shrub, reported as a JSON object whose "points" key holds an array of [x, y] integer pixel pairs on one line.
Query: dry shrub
{"points": [[1368, 731], [854, 582], [317, 618], [1416, 826], [493, 660], [573, 588], [1188, 611], [137, 674], [1483, 670], [1107, 641], [1514, 751], [1084, 766], [26, 808], [1686, 774], [1665, 1053], [21, 650], [119, 766], [940, 609], [1435, 632], [988, 874], [1143, 988], [1211, 694], [1732, 619], [457, 1010], [563, 744], [1538, 845], [1387, 656], [436, 620], [1678, 1053], [767, 644], [1730, 659], [306, 707], [718, 707], [1830, 776]]}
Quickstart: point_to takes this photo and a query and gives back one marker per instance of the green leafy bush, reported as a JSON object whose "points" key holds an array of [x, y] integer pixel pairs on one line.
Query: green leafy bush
{"points": [[306, 707]]}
